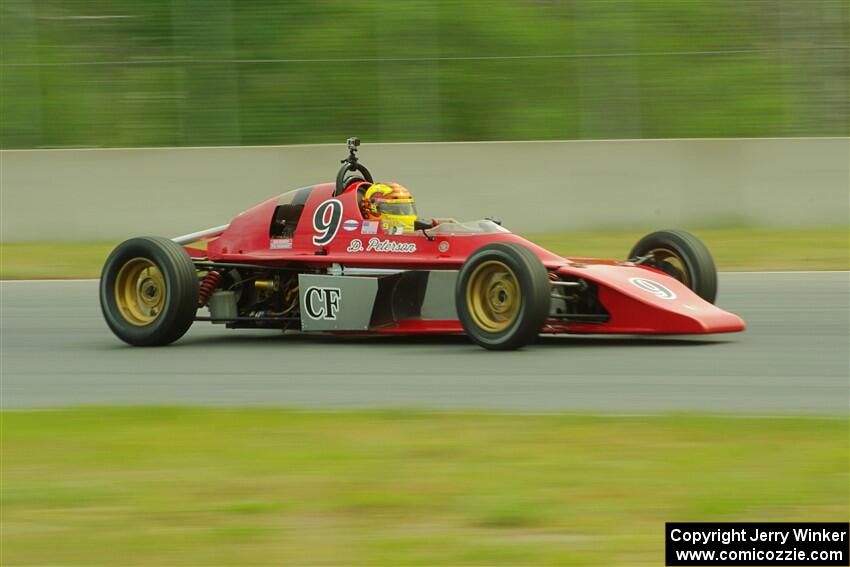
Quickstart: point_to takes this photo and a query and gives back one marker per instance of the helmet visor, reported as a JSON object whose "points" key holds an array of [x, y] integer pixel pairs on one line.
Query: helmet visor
{"points": [[396, 208]]}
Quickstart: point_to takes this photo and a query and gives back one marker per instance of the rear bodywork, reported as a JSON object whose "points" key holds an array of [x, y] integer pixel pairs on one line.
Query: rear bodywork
{"points": [[340, 273]]}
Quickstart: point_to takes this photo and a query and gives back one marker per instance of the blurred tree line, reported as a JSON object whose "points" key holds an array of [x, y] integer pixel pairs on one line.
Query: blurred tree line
{"points": [[79, 73]]}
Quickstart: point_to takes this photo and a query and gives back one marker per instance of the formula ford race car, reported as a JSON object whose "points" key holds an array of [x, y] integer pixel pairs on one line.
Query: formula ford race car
{"points": [[323, 259]]}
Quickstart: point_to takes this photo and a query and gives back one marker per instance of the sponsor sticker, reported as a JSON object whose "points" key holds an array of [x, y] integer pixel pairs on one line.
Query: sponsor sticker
{"points": [[350, 225], [377, 245], [369, 227], [392, 229], [443, 246], [322, 302], [650, 286], [280, 244]]}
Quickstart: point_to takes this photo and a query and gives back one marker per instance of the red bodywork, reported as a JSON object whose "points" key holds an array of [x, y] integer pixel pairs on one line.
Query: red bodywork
{"points": [[632, 309]]}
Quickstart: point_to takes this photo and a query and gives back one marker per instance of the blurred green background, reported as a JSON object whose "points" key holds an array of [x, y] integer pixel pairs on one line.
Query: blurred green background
{"points": [[98, 73]]}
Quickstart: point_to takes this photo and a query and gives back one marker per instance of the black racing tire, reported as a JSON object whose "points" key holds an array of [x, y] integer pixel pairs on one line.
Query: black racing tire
{"points": [[695, 267], [149, 291], [502, 296]]}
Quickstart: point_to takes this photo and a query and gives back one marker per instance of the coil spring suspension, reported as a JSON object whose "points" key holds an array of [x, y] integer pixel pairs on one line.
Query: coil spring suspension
{"points": [[211, 281]]}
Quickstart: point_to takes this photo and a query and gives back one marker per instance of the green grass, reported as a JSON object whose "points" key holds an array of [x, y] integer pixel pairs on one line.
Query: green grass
{"points": [[153, 486], [52, 260], [733, 249]]}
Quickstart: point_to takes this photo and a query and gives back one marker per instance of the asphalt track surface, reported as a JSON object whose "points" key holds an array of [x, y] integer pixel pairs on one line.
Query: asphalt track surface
{"points": [[793, 358]]}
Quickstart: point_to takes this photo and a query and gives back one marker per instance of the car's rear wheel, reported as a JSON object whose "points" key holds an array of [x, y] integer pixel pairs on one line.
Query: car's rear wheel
{"points": [[149, 291], [681, 255], [502, 296]]}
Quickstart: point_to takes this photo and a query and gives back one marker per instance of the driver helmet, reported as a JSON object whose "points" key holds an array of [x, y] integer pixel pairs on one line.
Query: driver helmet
{"points": [[392, 205]]}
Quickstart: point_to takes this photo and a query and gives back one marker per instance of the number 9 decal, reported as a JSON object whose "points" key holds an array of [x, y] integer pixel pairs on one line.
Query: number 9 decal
{"points": [[326, 221]]}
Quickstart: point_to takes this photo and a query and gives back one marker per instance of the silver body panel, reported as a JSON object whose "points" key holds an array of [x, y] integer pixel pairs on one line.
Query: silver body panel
{"points": [[336, 303], [439, 302]]}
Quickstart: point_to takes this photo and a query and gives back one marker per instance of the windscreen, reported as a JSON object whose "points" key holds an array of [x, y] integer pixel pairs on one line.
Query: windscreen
{"points": [[397, 208]]}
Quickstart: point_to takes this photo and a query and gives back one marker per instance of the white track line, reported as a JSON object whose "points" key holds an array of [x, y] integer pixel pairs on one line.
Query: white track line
{"points": [[661, 414], [791, 272]]}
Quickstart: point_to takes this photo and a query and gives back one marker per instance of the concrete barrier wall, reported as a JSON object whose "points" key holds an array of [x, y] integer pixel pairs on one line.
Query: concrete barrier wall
{"points": [[532, 186]]}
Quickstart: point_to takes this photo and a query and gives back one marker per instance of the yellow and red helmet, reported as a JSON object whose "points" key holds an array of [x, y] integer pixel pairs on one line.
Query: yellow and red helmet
{"points": [[392, 204]]}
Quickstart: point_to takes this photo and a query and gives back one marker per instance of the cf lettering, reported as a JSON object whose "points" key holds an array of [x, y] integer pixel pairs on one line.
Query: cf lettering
{"points": [[322, 302]]}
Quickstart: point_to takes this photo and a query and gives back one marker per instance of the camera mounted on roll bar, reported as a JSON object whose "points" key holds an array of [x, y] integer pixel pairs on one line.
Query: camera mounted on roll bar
{"points": [[350, 164], [353, 146]]}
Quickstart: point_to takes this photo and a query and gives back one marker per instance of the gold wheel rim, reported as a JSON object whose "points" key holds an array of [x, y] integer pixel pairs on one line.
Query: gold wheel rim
{"points": [[140, 292], [493, 296], [666, 255]]}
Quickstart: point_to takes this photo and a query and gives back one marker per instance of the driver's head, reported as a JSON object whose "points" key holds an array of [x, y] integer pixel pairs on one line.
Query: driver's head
{"points": [[392, 204]]}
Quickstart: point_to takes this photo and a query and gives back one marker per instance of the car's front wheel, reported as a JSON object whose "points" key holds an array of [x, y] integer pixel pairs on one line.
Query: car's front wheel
{"points": [[681, 255], [149, 291], [502, 296]]}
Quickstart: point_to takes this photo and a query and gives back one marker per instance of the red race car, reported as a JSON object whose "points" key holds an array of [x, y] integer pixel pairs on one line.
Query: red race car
{"points": [[353, 257]]}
